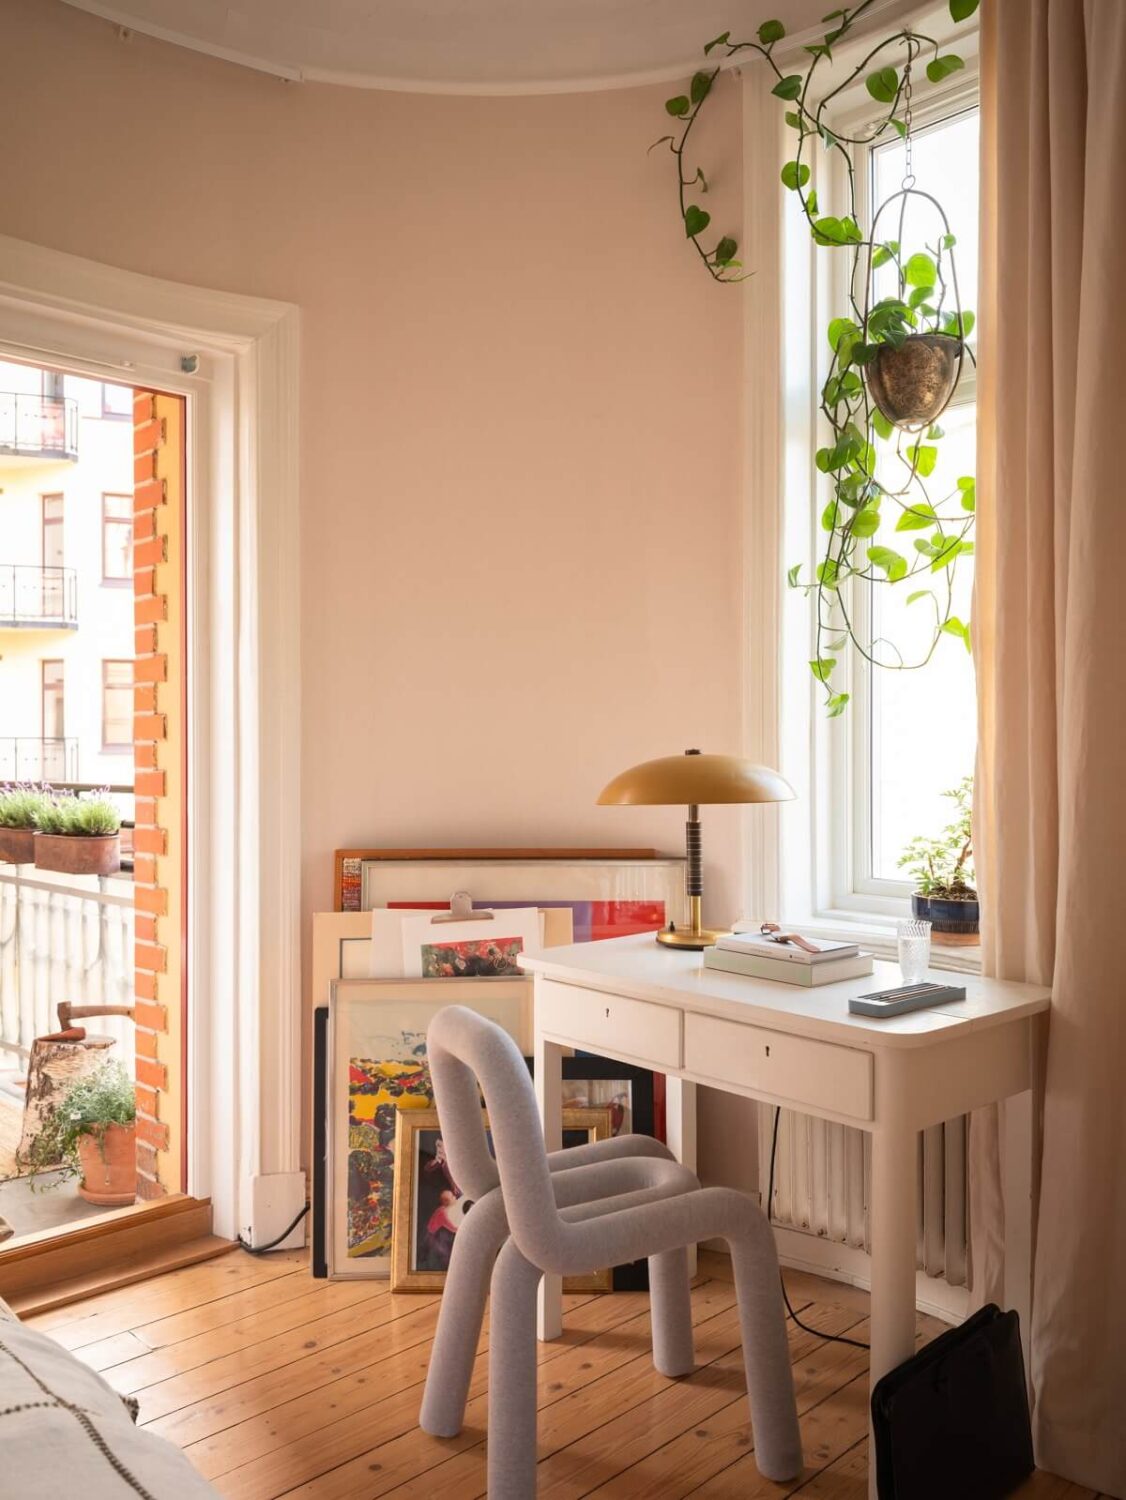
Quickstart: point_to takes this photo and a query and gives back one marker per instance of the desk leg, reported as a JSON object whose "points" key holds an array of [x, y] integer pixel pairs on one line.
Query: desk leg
{"points": [[893, 1210], [549, 1096], [680, 1126]]}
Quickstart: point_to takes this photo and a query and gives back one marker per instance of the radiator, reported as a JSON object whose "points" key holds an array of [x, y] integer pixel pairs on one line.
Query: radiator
{"points": [[821, 1186]]}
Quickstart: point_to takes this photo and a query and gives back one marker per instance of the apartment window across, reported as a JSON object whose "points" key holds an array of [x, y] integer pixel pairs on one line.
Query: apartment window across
{"points": [[53, 698], [117, 539], [117, 705], [117, 400]]}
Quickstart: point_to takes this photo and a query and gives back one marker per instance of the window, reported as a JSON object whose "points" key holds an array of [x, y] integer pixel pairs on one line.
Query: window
{"points": [[117, 538], [52, 530], [117, 705], [53, 716], [117, 400]]}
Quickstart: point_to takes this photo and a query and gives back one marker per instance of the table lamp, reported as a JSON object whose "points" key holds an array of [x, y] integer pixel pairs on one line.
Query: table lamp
{"points": [[694, 778]]}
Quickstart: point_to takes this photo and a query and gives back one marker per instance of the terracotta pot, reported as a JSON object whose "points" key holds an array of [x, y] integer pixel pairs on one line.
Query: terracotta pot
{"points": [[77, 855], [912, 384], [17, 845], [109, 1167]]}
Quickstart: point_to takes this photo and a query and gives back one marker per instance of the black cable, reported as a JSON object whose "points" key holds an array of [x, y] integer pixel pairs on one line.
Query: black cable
{"points": [[261, 1249], [835, 1338]]}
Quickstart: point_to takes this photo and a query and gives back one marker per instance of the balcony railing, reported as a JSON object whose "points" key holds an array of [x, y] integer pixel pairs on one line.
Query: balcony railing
{"points": [[32, 597], [26, 759], [43, 427]]}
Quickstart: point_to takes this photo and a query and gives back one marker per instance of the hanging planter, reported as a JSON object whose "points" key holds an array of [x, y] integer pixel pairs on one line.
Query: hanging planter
{"points": [[912, 384], [78, 835]]}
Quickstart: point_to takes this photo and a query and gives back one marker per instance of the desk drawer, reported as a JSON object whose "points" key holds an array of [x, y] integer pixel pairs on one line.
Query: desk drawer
{"points": [[794, 1068], [592, 1020]]}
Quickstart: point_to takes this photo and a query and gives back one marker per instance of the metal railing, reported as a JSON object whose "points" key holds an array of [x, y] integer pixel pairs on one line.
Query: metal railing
{"points": [[38, 426], [27, 759], [34, 596]]}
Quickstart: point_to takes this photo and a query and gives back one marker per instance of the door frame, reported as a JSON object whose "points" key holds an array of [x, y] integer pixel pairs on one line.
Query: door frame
{"points": [[235, 358]]}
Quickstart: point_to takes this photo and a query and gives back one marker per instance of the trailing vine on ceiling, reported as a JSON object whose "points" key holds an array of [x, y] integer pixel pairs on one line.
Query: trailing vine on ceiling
{"points": [[883, 491]]}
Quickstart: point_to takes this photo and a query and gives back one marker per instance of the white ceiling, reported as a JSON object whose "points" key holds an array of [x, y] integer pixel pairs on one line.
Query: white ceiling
{"points": [[457, 46]]}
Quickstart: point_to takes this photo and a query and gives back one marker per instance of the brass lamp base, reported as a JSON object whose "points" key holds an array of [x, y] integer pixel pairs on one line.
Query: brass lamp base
{"points": [[684, 937]]}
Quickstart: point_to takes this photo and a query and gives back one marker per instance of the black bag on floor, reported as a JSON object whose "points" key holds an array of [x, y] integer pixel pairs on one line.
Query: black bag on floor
{"points": [[953, 1420]]}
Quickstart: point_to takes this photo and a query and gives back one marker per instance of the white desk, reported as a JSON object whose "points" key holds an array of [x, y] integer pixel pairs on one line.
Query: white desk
{"points": [[660, 1008]]}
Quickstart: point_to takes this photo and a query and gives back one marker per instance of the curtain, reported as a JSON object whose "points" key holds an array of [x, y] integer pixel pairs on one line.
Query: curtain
{"points": [[1050, 649]]}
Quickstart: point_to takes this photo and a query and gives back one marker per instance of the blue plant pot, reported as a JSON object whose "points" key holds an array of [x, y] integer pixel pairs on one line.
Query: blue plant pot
{"points": [[956, 918]]}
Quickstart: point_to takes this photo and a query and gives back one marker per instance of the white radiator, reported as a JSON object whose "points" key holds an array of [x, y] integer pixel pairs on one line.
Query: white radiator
{"points": [[821, 1186]]}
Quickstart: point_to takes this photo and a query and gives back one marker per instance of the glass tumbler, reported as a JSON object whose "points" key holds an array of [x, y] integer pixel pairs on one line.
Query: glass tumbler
{"points": [[914, 938]]}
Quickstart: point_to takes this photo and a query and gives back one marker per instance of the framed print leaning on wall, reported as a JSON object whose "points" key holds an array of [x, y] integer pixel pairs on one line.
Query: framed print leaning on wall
{"points": [[377, 1064]]}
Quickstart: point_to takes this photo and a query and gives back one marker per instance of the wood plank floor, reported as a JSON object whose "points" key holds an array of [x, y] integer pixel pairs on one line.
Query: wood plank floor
{"points": [[278, 1385]]}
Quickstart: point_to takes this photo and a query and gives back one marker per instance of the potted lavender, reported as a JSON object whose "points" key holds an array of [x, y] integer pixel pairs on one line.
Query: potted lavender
{"points": [[19, 806], [78, 835]]}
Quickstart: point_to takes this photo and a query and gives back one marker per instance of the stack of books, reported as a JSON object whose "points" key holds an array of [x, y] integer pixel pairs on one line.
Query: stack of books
{"points": [[762, 958]]}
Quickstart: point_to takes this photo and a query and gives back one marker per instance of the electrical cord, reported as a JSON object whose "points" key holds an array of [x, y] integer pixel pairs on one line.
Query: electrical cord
{"points": [[835, 1338], [285, 1234]]}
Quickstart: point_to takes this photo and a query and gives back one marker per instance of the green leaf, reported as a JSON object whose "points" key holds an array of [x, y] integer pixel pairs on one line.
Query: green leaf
{"points": [[838, 643], [837, 328], [828, 573], [830, 516], [954, 626], [724, 252], [882, 256], [949, 241], [837, 705], [717, 41], [788, 87], [696, 220], [795, 174], [941, 67], [828, 231], [883, 84], [661, 142], [919, 594], [811, 201], [945, 550], [962, 10], [920, 271], [822, 667], [678, 106], [923, 457], [968, 487], [770, 32], [899, 127], [866, 522], [919, 295], [700, 87], [881, 423], [960, 327], [792, 576], [793, 120], [917, 518], [893, 563]]}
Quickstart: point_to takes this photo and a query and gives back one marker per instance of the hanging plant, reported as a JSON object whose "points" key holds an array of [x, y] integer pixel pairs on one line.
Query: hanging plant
{"points": [[895, 362]]}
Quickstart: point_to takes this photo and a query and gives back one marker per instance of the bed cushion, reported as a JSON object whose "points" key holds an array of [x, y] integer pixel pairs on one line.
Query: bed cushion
{"points": [[52, 1404]]}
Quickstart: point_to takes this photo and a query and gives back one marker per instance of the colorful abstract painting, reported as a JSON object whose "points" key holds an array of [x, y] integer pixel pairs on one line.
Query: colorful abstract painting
{"points": [[375, 1090], [472, 958]]}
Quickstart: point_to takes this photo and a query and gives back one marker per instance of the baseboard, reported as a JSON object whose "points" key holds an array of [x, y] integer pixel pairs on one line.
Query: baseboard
{"points": [[53, 1268]]}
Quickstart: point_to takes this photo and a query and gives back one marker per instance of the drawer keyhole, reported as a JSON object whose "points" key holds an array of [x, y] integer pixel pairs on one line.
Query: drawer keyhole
{"points": [[607, 1012], [768, 1051]]}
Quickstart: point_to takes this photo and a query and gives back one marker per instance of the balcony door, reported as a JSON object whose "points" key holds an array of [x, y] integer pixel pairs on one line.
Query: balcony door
{"points": [[54, 717], [53, 552]]}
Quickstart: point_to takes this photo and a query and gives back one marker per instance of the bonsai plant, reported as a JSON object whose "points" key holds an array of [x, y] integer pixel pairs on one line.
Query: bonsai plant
{"points": [[943, 871], [78, 835], [93, 1133], [19, 806]]}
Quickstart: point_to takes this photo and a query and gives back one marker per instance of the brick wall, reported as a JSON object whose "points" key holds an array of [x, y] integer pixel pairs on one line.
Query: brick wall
{"points": [[158, 782]]}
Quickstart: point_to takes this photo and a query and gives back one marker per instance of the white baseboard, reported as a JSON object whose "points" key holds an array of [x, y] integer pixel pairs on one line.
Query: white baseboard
{"points": [[275, 1201]]}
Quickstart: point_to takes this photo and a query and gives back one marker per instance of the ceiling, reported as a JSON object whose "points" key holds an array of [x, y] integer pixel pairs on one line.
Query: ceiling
{"points": [[457, 46]]}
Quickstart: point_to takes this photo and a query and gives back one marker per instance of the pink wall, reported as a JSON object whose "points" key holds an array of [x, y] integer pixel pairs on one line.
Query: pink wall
{"points": [[521, 415]]}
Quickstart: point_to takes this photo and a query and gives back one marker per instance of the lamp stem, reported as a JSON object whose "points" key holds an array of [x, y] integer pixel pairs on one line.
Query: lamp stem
{"points": [[695, 872]]}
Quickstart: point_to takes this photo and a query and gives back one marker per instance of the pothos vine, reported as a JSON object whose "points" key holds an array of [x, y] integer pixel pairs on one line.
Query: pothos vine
{"points": [[879, 473]]}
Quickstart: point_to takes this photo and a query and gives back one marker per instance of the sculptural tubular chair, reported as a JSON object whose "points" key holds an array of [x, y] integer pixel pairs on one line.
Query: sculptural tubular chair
{"points": [[544, 1237]]}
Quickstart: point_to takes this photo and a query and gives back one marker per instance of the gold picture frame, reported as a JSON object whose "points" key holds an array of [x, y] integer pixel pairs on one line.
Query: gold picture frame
{"points": [[416, 1130]]}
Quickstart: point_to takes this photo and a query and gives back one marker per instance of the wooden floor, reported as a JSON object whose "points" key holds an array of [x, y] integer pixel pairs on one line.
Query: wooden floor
{"points": [[275, 1384]]}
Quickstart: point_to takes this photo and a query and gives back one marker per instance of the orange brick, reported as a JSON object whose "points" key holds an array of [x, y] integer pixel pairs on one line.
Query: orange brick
{"points": [[149, 1189], [151, 669], [152, 1133], [144, 640], [146, 1158], [144, 986], [144, 467], [144, 524], [144, 870], [144, 698], [148, 493], [150, 956], [144, 811], [144, 756], [150, 841], [155, 1017], [146, 1100], [150, 552], [144, 926], [154, 1075], [148, 783], [148, 434], [150, 727], [144, 404], [150, 611], [144, 582], [144, 1043], [150, 899]]}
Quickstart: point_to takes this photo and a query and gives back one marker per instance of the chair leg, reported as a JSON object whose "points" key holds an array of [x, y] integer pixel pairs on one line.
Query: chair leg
{"points": [[511, 1447], [766, 1354], [671, 1313], [460, 1316]]}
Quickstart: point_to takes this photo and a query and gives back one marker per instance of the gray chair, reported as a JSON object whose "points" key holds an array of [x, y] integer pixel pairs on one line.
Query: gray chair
{"points": [[551, 1230]]}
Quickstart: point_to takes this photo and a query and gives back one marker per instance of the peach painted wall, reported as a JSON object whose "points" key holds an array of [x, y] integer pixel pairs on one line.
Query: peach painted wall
{"points": [[520, 416]]}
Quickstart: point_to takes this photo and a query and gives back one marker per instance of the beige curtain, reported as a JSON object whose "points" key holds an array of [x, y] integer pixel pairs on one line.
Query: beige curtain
{"points": [[1050, 643]]}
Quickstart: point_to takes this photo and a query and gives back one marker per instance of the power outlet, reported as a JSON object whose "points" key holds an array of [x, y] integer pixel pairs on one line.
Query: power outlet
{"points": [[275, 1201]]}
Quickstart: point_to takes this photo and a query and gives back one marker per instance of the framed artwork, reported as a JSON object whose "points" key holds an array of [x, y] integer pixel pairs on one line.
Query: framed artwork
{"points": [[429, 1205], [377, 1066], [610, 892]]}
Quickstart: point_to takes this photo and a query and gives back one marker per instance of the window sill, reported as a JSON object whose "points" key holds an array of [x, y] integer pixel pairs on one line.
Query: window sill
{"points": [[877, 935]]}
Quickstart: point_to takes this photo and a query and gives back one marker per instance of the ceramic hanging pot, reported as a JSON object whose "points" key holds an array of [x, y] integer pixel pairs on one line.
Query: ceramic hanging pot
{"points": [[912, 384]]}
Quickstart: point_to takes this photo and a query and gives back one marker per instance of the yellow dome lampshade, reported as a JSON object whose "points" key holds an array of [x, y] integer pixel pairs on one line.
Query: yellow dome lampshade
{"points": [[694, 779]]}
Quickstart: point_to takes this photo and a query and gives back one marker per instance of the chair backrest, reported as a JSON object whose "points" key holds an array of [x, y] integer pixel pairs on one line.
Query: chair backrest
{"points": [[464, 1050]]}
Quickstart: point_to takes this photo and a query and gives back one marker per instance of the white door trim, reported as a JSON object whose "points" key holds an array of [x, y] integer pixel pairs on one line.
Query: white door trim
{"points": [[244, 1017]]}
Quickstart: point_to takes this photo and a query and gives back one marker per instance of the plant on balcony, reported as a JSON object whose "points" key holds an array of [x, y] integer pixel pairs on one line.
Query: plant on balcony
{"points": [[93, 1134], [943, 871], [78, 835], [20, 804]]}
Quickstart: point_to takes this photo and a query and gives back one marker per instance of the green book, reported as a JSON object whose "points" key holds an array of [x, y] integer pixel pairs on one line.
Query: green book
{"points": [[759, 966]]}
